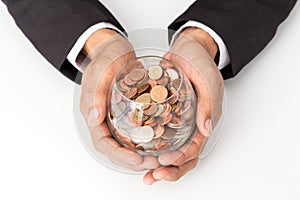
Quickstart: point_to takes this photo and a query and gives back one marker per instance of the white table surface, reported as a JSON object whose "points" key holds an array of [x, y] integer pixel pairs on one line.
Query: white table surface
{"points": [[257, 157]]}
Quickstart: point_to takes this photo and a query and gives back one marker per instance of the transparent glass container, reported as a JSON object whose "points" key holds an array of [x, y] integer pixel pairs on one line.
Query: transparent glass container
{"points": [[152, 106]]}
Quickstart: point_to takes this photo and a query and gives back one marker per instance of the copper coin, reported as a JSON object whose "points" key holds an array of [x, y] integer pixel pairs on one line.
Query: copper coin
{"points": [[169, 134], [145, 118], [122, 86], [176, 123], [152, 83], [131, 93], [128, 81], [167, 110], [178, 109], [159, 130], [143, 88], [146, 77], [174, 98], [164, 81], [159, 93], [150, 122], [164, 120], [137, 74], [151, 110], [176, 83]]}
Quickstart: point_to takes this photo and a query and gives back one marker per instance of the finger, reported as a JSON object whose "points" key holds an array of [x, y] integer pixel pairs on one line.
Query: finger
{"points": [[204, 100], [97, 84], [148, 178], [187, 152], [94, 98], [150, 162], [174, 173], [105, 144]]}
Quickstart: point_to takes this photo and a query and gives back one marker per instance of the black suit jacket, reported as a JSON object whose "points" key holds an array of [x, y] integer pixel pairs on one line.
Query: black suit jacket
{"points": [[53, 26]]}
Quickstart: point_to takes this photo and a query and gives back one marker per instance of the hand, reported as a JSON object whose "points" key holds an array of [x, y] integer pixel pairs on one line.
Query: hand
{"points": [[193, 52], [108, 52]]}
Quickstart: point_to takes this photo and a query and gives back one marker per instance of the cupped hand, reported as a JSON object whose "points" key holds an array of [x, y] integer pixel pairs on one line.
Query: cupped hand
{"points": [[193, 51], [108, 52]]}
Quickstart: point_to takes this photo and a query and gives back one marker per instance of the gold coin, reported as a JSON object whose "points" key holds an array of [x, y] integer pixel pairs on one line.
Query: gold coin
{"points": [[145, 100], [159, 93], [155, 72]]}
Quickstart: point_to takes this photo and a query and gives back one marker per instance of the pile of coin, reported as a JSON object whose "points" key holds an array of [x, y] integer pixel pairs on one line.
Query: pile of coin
{"points": [[152, 109]]}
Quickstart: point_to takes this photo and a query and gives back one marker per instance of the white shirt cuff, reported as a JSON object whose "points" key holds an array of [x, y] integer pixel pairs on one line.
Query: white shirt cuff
{"points": [[83, 38], [224, 56]]}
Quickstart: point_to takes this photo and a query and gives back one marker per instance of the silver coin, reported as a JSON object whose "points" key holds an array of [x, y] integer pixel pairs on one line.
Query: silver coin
{"points": [[143, 134]]}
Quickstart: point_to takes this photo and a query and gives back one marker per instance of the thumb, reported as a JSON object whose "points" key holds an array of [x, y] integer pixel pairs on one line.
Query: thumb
{"points": [[97, 113], [204, 112]]}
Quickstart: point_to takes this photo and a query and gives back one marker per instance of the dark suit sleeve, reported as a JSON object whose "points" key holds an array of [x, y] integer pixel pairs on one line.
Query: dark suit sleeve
{"points": [[246, 26], [53, 26]]}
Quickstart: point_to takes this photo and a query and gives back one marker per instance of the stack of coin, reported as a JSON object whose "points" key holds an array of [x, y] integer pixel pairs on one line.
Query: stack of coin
{"points": [[152, 110]]}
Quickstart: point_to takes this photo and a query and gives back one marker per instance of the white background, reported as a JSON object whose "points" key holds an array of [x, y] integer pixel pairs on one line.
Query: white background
{"points": [[41, 156]]}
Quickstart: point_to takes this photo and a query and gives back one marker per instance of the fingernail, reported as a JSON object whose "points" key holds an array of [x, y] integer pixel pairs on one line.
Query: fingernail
{"points": [[93, 117], [208, 128], [157, 176]]}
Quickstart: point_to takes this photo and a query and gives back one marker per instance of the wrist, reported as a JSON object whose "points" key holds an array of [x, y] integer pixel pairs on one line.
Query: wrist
{"points": [[98, 38], [203, 38]]}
